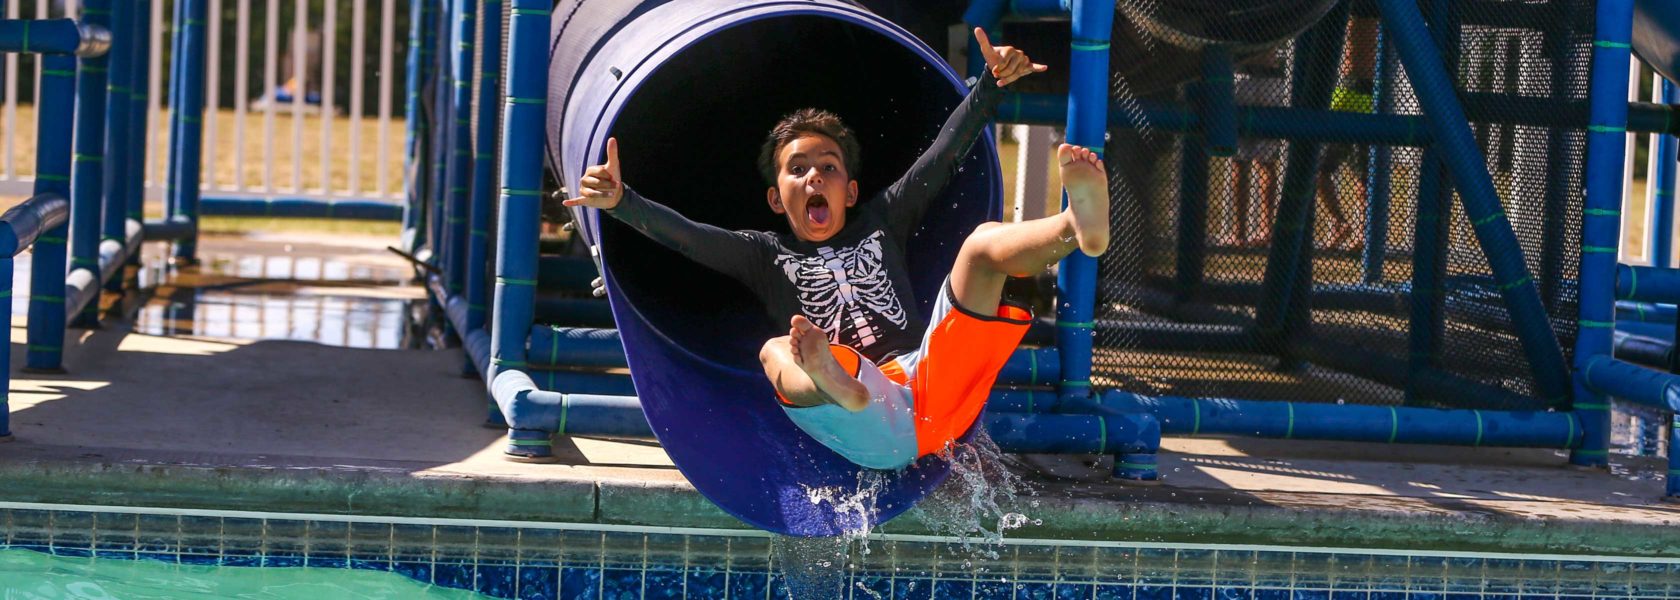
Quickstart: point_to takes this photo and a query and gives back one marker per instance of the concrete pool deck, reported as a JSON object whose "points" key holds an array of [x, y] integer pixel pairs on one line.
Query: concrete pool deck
{"points": [[211, 418]]}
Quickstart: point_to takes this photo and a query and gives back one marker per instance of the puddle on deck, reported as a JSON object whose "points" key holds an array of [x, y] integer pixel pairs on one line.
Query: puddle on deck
{"points": [[353, 297]]}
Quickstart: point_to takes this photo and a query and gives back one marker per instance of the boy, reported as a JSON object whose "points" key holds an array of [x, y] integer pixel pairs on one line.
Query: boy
{"points": [[858, 370]]}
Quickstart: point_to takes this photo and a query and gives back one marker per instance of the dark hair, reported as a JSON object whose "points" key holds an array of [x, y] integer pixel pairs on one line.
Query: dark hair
{"points": [[803, 122]]}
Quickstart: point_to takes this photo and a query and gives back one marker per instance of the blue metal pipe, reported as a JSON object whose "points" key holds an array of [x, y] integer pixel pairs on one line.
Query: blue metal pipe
{"points": [[572, 273], [985, 14], [575, 347], [87, 173], [484, 166], [583, 382], [1451, 132], [1290, 123], [1133, 438], [1631, 382], [1673, 479], [1645, 312], [172, 169], [1662, 180], [523, 118], [22, 225], [6, 352], [459, 174], [189, 121], [1427, 324], [82, 285], [1290, 255], [1641, 350], [1032, 366], [171, 229], [303, 208], [139, 97], [1661, 331], [1353, 422], [413, 215], [118, 163], [1646, 284], [1218, 103], [1087, 119], [1038, 9], [1377, 175], [55, 121], [1191, 258], [39, 36], [575, 312]]}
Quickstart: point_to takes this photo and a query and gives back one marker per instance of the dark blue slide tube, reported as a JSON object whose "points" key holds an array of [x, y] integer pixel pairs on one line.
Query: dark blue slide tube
{"points": [[693, 355], [55, 120]]}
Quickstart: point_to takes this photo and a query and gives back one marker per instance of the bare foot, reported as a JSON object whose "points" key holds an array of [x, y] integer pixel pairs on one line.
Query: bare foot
{"points": [[811, 353], [1087, 189]]}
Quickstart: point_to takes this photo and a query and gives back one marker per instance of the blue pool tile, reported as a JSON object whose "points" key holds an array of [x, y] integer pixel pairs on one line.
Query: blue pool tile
{"points": [[1424, 596], [1075, 591], [1350, 595], [167, 557], [663, 582], [579, 583], [877, 586], [912, 588], [418, 571], [457, 575], [249, 560], [538, 582], [1192, 592], [621, 583], [993, 589], [115, 554], [1149, 591], [1310, 595], [1388, 595], [79, 552], [1035, 590], [283, 560], [200, 559], [370, 563], [778, 587], [1271, 594], [953, 590], [705, 582], [1114, 592], [327, 562], [497, 581], [748, 585], [1233, 593]]}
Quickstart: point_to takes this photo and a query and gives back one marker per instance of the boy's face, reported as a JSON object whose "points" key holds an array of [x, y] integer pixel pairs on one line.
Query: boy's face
{"points": [[812, 187]]}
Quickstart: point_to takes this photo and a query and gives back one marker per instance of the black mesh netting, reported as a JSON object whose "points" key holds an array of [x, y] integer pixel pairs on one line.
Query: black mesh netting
{"points": [[1223, 293]]}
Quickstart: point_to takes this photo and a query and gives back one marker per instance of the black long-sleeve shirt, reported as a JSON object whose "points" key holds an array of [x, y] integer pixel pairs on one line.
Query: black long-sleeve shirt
{"points": [[855, 285]]}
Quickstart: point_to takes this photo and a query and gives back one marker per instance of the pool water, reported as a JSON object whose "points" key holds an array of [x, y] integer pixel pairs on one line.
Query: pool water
{"points": [[26, 575], [56, 551]]}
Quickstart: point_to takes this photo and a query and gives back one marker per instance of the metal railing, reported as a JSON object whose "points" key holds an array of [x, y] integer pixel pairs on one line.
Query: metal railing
{"points": [[335, 140]]}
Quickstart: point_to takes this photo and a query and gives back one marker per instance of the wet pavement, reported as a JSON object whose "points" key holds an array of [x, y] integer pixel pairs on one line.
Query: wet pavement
{"points": [[283, 375]]}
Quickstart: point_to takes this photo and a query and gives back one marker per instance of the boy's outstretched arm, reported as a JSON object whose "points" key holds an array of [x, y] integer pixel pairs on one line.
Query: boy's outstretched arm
{"points": [[907, 199], [733, 253]]}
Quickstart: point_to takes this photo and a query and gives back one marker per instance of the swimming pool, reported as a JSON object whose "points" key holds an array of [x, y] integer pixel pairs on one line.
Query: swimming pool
{"points": [[225, 550]]}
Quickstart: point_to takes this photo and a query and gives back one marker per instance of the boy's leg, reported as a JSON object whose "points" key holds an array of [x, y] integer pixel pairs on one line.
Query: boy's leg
{"points": [[997, 251], [805, 373]]}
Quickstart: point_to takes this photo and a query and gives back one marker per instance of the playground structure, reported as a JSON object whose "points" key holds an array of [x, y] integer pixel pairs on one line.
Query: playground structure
{"points": [[1484, 307]]}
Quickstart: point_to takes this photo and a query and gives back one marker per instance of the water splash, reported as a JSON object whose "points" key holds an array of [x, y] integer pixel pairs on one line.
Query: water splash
{"points": [[813, 567], [980, 501]]}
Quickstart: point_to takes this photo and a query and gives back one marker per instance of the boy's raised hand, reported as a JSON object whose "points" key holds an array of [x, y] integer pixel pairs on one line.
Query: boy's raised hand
{"points": [[602, 185], [1007, 63]]}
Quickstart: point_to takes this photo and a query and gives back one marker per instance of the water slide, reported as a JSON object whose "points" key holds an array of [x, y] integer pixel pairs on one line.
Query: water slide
{"points": [[1656, 35], [689, 88]]}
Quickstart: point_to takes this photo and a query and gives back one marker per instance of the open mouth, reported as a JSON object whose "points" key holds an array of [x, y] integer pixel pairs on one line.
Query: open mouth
{"points": [[816, 209]]}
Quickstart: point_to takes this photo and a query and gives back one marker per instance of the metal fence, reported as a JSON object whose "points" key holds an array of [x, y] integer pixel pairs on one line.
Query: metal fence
{"points": [[336, 139]]}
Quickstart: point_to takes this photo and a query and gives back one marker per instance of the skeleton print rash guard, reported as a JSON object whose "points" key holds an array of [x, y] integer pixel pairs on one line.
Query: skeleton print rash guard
{"points": [[855, 285]]}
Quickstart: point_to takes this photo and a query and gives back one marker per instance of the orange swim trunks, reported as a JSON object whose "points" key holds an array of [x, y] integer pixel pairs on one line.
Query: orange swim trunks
{"points": [[951, 374]]}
